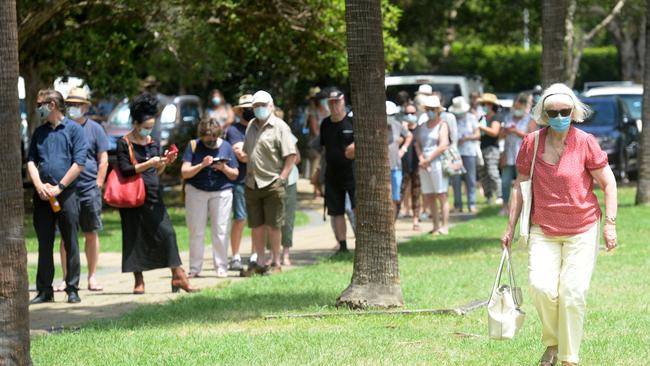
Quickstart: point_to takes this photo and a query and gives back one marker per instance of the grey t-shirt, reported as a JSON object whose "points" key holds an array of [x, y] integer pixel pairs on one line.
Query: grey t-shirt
{"points": [[395, 130]]}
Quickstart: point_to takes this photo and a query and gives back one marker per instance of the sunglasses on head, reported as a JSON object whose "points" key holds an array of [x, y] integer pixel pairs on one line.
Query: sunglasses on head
{"points": [[564, 112]]}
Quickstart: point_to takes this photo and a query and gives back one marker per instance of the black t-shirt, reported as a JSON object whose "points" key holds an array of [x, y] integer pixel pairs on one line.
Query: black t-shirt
{"points": [[335, 137], [487, 141]]}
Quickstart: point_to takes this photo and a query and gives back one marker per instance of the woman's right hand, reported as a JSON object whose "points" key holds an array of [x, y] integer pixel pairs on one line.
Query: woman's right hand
{"points": [[506, 239], [155, 162], [207, 161]]}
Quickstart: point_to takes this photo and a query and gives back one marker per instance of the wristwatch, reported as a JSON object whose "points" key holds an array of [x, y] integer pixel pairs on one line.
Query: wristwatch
{"points": [[61, 186]]}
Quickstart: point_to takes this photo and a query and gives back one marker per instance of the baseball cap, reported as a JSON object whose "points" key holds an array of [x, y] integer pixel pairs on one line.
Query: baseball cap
{"points": [[334, 93], [262, 97]]}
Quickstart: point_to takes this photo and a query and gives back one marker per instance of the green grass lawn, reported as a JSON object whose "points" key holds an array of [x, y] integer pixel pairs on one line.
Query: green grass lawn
{"points": [[111, 236], [226, 326]]}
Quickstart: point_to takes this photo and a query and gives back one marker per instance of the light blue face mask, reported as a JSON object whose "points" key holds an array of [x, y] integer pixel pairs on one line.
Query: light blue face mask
{"points": [[432, 114], [262, 113], [560, 124], [74, 112], [144, 132], [43, 111], [411, 118], [216, 100], [518, 112]]}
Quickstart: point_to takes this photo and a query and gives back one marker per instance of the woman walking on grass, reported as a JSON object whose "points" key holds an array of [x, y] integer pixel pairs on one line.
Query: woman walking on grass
{"points": [[565, 219]]}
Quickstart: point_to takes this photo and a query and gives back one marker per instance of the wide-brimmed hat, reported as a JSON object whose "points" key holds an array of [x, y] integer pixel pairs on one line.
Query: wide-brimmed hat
{"points": [[425, 89], [459, 106], [432, 101], [313, 92], [489, 98], [149, 82], [78, 95], [391, 108], [245, 101]]}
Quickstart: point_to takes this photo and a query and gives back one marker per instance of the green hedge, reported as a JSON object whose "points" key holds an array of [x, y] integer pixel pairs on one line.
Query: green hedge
{"points": [[511, 69]]}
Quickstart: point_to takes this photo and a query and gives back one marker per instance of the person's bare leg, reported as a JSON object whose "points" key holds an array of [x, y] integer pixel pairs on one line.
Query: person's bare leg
{"points": [[92, 257], [275, 237], [64, 267], [340, 231], [434, 212], [235, 236], [257, 239], [444, 204]]}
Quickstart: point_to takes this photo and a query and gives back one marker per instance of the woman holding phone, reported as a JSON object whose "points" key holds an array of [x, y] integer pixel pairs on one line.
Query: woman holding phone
{"points": [[148, 237], [209, 169]]}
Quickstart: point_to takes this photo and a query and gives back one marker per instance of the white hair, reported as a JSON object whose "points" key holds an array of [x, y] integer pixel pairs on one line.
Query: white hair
{"points": [[563, 94]]}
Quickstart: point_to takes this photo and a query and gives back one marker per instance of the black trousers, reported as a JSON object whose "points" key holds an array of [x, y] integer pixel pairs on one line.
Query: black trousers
{"points": [[45, 222]]}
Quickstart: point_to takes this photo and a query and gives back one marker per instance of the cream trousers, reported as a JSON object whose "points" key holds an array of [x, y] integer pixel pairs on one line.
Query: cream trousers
{"points": [[198, 205], [559, 270]]}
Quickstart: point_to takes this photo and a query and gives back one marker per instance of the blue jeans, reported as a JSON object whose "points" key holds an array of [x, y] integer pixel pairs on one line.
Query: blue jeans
{"points": [[508, 174], [469, 162], [395, 184]]}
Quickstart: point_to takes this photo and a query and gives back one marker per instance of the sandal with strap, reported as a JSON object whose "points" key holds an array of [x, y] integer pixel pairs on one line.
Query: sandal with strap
{"points": [[549, 358]]}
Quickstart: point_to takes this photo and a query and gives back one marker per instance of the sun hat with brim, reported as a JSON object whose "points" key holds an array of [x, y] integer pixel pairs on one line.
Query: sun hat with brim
{"points": [[489, 98], [425, 89], [245, 101], [432, 101], [313, 92], [78, 95], [459, 106], [391, 108]]}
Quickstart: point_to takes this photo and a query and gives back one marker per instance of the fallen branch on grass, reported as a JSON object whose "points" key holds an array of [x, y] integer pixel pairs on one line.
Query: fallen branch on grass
{"points": [[461, 310]]}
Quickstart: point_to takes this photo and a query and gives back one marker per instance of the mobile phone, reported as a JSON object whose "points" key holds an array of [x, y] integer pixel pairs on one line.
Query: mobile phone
{"points": [[220, 160]]}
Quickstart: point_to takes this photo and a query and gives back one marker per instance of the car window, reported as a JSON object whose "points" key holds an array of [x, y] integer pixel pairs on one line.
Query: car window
{"points": [[603, 113], [633, 104], [190, 113], [168, 115], [122, 117], [448, 91]]}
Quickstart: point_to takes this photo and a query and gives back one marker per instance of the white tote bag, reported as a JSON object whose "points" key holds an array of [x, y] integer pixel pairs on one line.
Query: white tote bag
{"points": [[526, 188], [505, 317]]}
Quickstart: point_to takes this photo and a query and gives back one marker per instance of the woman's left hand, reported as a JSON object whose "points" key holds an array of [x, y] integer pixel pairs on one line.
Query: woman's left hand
{"points": [[609, 233]]}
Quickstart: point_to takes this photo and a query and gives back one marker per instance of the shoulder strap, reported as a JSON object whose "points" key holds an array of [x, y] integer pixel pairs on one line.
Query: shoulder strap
{"points": [[532, 163], [131, 154], [193, 145]]}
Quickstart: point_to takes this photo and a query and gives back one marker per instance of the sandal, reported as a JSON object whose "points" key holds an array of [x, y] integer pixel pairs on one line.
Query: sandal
{"points": [[549, 358]]}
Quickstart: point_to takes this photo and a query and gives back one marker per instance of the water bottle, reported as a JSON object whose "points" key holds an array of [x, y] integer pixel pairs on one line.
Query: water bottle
{"points": [[54, 203]]}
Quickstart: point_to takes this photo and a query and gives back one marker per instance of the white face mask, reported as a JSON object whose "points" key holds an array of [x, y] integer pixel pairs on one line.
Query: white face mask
{"points": [[74, 112]]}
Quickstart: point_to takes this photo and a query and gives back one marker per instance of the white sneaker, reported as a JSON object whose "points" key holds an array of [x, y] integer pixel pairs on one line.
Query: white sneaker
{"points": [[222, 273], [499, 201]]}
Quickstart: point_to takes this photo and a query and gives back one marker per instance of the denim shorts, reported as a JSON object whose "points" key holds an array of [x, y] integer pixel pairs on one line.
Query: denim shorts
{"points": [[239, 202]]}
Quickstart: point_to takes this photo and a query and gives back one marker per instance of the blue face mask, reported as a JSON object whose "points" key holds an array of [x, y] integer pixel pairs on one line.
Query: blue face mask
{"points": [[216, 100], [74, 112], [144, 132], [560, 124], [411, 118], [262, 113], [43, 111], [432, 114]]}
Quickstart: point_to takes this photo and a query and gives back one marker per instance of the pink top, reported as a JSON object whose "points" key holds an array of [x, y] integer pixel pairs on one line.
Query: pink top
{"points": [[563, 199]]}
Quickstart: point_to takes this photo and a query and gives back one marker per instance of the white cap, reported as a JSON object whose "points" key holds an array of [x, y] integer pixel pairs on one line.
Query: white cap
{"points": [[432, 101], [425, 89], [459, 105], [262, 97], [391, 108]]}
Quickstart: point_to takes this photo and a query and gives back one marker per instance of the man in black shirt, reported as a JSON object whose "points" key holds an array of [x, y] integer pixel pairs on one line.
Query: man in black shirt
{"points": [[336, 135]]}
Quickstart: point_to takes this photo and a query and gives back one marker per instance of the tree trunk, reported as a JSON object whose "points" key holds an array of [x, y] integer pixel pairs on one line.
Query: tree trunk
{"points": [[375, 280], [14, 314], [643, 182], [553, 30]]}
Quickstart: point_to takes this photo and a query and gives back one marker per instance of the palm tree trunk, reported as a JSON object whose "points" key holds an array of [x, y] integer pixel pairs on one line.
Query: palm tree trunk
{"points": [[643, 183], [553, 31], [375, 280], [14, 314]]}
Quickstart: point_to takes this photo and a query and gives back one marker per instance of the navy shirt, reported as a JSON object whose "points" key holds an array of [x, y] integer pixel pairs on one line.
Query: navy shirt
{"points": [[234, 134], [208, 179], [54, 150], [97, 143]]}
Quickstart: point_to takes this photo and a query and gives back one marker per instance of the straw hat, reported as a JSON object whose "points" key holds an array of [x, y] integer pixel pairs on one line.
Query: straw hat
{"points": [[245, 101], [78, 95], [432, 101], [489, 98]]}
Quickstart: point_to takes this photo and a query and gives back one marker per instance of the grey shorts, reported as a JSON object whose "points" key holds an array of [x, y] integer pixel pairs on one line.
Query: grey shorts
{"points": [[90, 211]]}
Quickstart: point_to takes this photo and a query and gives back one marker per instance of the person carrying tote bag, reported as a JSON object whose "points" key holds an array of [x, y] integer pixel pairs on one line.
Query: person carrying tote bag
{"points": [[505, 317], [124, 192]]}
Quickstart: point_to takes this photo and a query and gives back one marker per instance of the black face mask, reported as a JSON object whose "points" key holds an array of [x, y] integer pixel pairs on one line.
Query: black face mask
{"points": [[248, 114]]}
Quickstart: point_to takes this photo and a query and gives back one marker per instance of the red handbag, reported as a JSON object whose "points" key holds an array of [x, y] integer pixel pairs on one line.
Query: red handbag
{"points": [[124, 192]]}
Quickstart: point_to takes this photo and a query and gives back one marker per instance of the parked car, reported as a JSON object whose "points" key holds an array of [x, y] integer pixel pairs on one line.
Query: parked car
{"points": [[616, 131], [630, 93], [449, 86], [175, 124]]}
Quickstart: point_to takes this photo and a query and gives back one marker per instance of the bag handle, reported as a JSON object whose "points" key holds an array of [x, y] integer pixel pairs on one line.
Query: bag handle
{"points": [[130, 144], [532, 163], [505, 257]]}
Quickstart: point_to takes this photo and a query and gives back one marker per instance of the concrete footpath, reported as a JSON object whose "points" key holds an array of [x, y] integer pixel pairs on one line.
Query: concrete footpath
{"points": [[311, 242]]}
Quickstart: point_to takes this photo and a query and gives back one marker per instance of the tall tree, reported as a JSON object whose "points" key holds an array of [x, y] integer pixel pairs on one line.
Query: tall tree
{"points": [[643, 183], [553, 30], [375, 280], [14, 314]]}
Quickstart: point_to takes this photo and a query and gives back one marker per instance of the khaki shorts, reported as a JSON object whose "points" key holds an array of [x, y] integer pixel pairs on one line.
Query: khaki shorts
{"points": [[265, 206]]}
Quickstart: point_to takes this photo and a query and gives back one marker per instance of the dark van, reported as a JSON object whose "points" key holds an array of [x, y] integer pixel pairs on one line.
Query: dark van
{"points": [[616, 132]]}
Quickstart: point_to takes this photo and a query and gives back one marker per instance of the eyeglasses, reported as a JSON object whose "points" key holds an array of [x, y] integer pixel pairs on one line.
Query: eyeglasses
{"points": [[43, 103], [565, 112]]}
